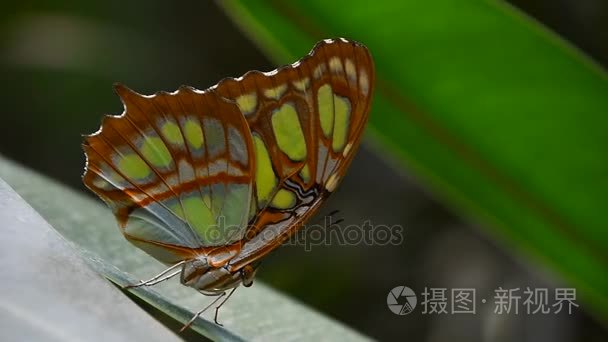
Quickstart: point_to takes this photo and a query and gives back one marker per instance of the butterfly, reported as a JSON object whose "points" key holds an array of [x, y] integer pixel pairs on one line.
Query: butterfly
{"points": [[210, 181]]}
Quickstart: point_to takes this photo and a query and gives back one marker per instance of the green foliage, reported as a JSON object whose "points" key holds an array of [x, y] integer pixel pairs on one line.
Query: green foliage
{"points": [[498, 116]]}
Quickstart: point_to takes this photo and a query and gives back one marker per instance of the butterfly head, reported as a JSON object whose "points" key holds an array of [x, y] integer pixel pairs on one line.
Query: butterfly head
{"points": [[248, 273]]}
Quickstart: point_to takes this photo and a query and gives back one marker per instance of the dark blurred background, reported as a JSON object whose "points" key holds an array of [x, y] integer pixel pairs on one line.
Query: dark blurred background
{"points": [[60, 59]]}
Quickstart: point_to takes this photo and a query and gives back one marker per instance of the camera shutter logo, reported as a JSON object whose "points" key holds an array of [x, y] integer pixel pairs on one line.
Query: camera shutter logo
{"points": [[401, 300]]}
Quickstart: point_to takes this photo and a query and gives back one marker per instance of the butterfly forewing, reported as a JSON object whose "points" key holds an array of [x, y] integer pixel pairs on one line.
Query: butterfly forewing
{"points": [[306, 121]]}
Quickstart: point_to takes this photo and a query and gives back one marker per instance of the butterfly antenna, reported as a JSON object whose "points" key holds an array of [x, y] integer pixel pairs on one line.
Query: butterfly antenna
{"points": [[331, 214], [334, 215], [340, 220]]}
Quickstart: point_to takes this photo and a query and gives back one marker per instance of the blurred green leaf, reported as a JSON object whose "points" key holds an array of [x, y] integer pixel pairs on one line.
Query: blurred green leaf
{"points": [[498, 116], [257, 312]]}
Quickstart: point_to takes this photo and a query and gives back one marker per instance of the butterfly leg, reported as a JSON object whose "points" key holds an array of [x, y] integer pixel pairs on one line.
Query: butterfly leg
{"points": [[217, 308], [200, 312], [157, 278]]}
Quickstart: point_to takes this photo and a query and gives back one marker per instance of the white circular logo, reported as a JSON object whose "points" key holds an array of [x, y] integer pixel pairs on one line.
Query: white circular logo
{"points": [[401, 300]]}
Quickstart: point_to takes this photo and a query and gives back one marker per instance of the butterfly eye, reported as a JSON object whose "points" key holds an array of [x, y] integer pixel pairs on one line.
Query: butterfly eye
{"points": [[247, 275]]}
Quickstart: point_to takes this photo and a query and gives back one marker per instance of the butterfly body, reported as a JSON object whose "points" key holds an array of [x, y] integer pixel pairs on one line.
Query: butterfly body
{"points": [[214, 180]]}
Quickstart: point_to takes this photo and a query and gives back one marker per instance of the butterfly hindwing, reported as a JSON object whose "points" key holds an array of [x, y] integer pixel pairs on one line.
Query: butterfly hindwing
{"points": [[176, 168]]}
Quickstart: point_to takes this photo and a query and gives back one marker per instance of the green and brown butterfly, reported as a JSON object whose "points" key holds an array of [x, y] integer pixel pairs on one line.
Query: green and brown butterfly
{"points": [[211, 181]]}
